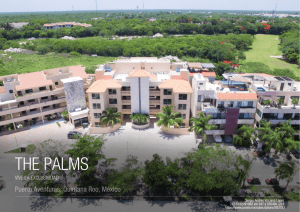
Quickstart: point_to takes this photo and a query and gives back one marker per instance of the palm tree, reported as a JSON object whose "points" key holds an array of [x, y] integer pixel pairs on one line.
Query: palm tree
{"points": [[243, 172], [287, 129], [65, 115], [244, 138], [201, 124], [139, 118], [286, 171], [267, 102], [275, 141], [291, 144], [111, 117], [295, 101], [169, 118], [264, 129], [280, 102]]}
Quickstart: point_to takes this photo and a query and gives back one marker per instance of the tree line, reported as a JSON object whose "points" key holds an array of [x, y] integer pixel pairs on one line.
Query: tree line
{"points": [[169, 23], [215, 48]]}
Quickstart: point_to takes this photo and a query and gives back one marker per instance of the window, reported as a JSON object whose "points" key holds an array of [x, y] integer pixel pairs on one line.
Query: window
{"points": [[56, 83], [32, 110], [182, 107], [183, 116], [199, 98], [96, 106], [167, 101], [112, 101], [239, 104], [29, 91], [221, 104], [201, 83], [44, 98], [246, 115], [95, 96], [31, 100], [97, 124], [42, 88], [287, 115], [167, 92], [45, 107], [182, 125], [97, 115], [241, 115], [10, 91], [112, 91], [250, 104], [230, 104], [182, 96]]}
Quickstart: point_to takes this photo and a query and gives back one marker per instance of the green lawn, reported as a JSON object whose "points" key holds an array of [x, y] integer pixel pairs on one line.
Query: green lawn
{"points": [[24, 63], [263, 46]]}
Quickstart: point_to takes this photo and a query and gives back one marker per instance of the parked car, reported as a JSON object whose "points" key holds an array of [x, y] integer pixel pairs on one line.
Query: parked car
{"points": [[253, 181], [272, 181], [217, 138], [71, 134], [296, 153]]}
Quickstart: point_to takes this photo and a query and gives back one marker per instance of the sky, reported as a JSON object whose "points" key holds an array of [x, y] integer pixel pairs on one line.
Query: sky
{"points": [[66, 5]]}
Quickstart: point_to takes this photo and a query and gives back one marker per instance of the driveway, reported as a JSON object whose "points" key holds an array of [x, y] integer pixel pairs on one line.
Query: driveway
{"points": [[144, 143], [37, 134]]}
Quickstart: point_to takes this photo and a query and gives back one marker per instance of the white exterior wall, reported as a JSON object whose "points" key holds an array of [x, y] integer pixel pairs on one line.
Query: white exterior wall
{"points": [[9, 96], [134, 91], [144, 83]]}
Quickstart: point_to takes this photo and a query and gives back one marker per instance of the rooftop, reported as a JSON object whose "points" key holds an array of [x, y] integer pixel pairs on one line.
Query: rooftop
{"points": [[178, 86], [141, 73], [100, 86], [237, 96], [71, 79], [78, 71], [208, 74], [32, 80]]}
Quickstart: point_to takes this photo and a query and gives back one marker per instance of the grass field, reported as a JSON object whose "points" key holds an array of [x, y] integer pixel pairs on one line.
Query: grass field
{"points": [[24, 63], [261, 49]]}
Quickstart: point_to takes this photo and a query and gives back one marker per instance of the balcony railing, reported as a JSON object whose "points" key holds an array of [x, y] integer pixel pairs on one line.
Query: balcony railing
{"points": [[125, 93], [126, 111], [154, 110], [124, 102], [154, 92], [156, 101]]}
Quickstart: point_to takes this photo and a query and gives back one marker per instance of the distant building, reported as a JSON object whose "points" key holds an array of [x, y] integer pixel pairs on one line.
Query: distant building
{"points": [[65, 25], [18, 25], [152, 19], [158, 35]]}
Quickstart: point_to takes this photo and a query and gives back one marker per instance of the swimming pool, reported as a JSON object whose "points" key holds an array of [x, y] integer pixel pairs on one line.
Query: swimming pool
{"points": [[260, 89]]}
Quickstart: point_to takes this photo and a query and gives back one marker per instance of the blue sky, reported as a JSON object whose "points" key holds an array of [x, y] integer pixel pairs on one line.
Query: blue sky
{"points": [[66, 5]]}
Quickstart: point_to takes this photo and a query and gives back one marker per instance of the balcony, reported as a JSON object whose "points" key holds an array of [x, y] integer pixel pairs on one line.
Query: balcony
{"points": [[154, 93], [29, 107], [125, 93], [154, 111], [126, 111], [126, 102], [154, 101], [34, 114], [39, 94], [276, 109], [246, 121]]}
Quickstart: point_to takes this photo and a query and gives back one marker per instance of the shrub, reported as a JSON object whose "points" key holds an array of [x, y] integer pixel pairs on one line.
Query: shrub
{"points": [[73, 53], [30, 148], [1, 83], [90, 70]]}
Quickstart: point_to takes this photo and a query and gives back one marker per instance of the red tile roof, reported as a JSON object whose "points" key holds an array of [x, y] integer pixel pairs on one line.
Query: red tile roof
{"points": [[32, 80], [237, 96], [105, 77], [175, 77], [100, 86], [77, 71], [178, 86], [141, 73], [208, 74]]}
